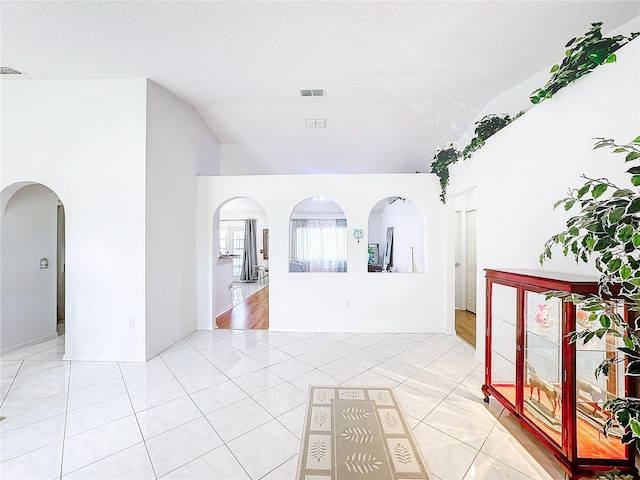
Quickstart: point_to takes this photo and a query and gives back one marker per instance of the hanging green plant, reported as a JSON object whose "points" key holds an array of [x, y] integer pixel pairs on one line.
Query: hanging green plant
{"points": [[440, 166], [485, 128], [583, 55]]}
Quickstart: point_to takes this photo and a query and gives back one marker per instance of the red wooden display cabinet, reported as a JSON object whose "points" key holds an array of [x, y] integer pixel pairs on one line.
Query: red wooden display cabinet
{"points": [[545, 381]]}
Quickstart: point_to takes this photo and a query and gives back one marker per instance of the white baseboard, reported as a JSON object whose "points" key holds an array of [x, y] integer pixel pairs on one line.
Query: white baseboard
{"points": [[28, 343]]}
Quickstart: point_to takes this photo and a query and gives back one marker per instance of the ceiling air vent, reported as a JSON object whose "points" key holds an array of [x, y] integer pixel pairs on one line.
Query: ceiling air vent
{"points": [[316, 123], [312, 93], [9, 71]]}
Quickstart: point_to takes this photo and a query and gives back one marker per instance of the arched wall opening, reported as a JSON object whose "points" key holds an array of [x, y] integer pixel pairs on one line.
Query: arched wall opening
{"points": [[32, 255], [241, 265], [396, 236], [343, 301], [318, 236]]}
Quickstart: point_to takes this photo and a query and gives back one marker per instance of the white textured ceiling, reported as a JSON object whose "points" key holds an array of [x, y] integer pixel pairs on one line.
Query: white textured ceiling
{"points": [[401, 77]]}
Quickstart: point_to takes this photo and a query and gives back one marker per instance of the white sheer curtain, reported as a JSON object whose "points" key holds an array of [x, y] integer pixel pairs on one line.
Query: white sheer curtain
{"points": [[319, 245]]}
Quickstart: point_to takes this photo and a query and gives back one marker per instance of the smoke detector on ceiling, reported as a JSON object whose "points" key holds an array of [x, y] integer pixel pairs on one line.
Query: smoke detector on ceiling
{"points": [[9, 71], [313, 93]]}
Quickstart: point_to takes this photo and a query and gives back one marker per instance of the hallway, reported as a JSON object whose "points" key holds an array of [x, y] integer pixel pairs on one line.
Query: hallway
{"points": [[466, 326]]}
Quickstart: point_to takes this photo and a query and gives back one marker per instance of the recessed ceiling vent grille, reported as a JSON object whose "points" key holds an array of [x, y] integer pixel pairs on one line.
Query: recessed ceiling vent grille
{"points": [[312, 93], [9, 71], [314, 123]]}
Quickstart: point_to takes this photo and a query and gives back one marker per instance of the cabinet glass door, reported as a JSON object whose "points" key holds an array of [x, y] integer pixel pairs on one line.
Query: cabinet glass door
{"points": [[591, 393], [503, 340], [542, 396]]}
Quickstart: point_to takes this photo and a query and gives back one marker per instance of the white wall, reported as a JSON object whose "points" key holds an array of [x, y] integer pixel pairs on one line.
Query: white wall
{"points": [[261, 223], [375, 234], [29, 224], [223, 295], [523, 169], [179, 146], [351, 301], [86, 140], [408, 231]]}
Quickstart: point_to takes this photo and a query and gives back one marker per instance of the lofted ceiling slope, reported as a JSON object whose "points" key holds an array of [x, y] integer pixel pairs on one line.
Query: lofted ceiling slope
{"points": [[400, 77]]}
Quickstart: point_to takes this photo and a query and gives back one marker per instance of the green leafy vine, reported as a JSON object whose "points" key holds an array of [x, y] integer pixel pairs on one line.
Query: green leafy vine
{"points": [[583, 55], [485, 128], [440, 166]]}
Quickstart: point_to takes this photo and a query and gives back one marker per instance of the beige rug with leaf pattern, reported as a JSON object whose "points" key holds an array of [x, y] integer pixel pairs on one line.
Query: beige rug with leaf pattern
{"points": [[357, 433]]}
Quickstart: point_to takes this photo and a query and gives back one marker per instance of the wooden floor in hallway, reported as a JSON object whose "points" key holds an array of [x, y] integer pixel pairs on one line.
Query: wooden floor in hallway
{"points": [[252, 314], [466, 326]]}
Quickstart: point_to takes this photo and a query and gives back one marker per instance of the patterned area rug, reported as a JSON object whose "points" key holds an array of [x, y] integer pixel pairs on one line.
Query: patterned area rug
{"points": [[357, 433]]}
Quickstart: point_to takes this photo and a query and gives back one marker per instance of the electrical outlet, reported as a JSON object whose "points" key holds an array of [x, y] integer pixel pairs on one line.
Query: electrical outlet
{"points": [[346, 304], [132, 322]]}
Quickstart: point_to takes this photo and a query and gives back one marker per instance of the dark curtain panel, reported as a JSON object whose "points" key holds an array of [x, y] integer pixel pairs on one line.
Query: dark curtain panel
{"points": [[249, 271]]}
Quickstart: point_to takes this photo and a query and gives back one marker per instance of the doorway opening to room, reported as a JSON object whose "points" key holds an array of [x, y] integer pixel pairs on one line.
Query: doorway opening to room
{"points": [[32, 287], [241, 271], [466, 267]]}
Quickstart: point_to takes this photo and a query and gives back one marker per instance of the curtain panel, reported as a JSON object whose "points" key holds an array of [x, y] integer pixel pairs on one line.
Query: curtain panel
{"points": [[320, 245], [249, 271]]}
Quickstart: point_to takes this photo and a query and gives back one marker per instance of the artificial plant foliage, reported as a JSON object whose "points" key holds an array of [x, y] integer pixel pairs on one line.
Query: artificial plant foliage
{"points": [[485, 128], [614, 475], [583, 54], [607, 230], [440, 166]]}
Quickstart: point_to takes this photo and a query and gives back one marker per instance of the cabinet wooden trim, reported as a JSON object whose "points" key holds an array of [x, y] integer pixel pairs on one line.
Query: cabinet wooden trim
{"points": [[556, 422]]}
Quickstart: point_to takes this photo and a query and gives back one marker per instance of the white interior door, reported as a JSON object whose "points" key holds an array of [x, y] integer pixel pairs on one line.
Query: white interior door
{"points": [[471, 261]]}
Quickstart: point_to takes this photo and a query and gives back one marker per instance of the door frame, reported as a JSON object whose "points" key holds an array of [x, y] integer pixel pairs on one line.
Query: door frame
{"points": [[466, 267], [461, 293], [463, 202], [460, 262]]}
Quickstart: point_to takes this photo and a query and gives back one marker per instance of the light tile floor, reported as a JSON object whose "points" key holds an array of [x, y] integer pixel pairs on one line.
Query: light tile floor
{"points": [[230, 404]]}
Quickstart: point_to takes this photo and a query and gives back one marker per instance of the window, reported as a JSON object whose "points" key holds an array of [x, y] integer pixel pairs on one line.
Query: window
{"points": [[231, 238], [238, 251], [319, 245]]}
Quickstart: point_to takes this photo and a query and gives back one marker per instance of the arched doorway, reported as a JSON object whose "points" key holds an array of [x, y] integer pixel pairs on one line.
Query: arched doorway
{"points": [[32, 284], [241, 266]]}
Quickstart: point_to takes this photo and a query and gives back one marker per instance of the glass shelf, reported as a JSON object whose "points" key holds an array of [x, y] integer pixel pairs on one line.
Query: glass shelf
{"points": [[546, 382], [542, 386]]}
